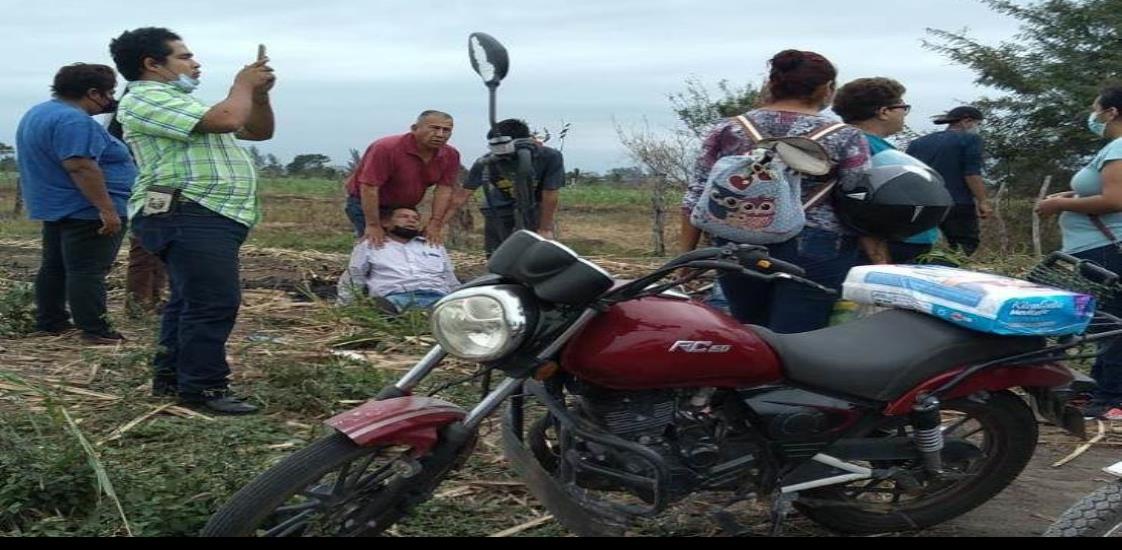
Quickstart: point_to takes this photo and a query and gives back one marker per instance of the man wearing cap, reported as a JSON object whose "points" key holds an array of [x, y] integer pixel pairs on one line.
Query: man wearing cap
{"points": [[956, 153]]}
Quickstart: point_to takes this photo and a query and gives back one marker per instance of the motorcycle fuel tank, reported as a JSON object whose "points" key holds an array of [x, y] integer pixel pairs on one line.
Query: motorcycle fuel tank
{"points": [[668, 343]]}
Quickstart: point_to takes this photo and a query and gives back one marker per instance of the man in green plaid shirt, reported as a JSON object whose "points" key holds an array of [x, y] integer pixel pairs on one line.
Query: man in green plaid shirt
{"points": [[193, 204]]}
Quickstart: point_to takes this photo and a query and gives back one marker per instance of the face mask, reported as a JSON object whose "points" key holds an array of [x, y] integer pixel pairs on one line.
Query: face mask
{"points": [[184, 83], [405, 233], [974, 131], [110, 107], [1096, 126]]}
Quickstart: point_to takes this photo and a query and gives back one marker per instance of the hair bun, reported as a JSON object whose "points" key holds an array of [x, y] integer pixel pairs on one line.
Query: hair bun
{"points": [[788, 60]]}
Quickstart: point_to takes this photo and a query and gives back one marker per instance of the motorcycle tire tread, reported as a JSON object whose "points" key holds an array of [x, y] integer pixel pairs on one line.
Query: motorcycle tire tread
{"points": [[1096, 515], [240, 516]]}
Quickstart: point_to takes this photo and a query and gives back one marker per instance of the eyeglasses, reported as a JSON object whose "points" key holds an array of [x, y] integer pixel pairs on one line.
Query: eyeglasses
{"points": [[907, 108]]}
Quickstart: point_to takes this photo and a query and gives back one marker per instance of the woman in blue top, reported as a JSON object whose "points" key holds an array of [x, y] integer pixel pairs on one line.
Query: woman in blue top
{"points": [[877, 107], [1091, 221]]}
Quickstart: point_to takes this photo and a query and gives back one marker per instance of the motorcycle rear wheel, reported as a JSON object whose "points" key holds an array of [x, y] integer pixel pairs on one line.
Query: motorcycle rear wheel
{"points": [[331, 488], [1098, 514], [1004, 429]]}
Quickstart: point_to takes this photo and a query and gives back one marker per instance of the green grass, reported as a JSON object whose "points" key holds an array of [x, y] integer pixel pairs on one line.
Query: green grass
{"points": [[311, 187]]}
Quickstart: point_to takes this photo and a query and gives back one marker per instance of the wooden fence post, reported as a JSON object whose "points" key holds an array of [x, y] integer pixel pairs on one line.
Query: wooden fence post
{"points": [[1037, 246]]}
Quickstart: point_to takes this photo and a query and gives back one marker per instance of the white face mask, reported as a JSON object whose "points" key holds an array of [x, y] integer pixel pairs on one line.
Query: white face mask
{"points": [[184, 83], [1096, 126]]}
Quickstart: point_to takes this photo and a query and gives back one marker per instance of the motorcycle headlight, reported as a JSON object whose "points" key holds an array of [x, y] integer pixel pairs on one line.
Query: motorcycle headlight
{"points": [[482, 324]]}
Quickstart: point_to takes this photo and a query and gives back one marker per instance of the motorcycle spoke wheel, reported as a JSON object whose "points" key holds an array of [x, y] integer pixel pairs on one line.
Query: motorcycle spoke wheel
{"points": [[331, 489], [1002, 433]]}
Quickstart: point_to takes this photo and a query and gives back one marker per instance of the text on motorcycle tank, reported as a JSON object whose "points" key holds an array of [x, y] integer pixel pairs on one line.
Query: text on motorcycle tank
{"points": [[699, 347]]}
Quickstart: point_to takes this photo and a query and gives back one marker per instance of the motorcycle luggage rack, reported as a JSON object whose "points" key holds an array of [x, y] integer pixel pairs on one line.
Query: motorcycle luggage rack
{"points": [[1067, 272], [656, 485], [1103, 327]]}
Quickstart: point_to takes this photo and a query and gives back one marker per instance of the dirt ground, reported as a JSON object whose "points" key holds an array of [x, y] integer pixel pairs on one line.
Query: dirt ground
{"points": [[1026, 508]]}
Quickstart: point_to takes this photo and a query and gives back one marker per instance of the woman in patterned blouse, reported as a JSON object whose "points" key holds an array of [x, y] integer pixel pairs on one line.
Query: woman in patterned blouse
{"points": [[801, 85]]}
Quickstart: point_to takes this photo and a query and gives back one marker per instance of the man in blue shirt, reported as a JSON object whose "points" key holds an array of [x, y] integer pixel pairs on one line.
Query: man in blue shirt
{"points": [[956, 154], [76, 179]]}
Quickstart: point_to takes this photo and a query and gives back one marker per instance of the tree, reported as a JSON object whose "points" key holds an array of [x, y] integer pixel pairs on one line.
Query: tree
{"points": [[256, 156], [669, 159], [1048, 77], [7, 158], [273, 167], [356, 160], [310, 166], [697, 110]]}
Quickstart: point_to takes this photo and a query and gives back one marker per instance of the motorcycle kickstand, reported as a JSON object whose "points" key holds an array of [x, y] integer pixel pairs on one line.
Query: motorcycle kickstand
{"points": [[781, 508]]}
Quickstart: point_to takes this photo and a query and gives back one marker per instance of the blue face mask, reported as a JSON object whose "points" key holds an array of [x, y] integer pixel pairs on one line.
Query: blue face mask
{"points": [[1097, 126]]}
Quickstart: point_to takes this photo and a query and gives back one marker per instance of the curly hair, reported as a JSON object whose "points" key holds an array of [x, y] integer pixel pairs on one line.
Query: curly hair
{"points": [[131, 49], [73, 81], [863, 98]]}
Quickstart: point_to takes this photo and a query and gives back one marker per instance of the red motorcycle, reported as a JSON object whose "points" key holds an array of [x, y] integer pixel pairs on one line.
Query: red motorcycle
{"points": [[625, 398]]}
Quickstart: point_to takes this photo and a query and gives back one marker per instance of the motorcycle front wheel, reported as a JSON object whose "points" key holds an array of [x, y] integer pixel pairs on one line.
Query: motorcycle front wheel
{"points": [[1098, 514], [1002, 429], [332, 488]]}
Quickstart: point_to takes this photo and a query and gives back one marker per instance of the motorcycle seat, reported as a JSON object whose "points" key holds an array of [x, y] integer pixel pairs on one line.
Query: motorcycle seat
{"points": [[884, 356]]}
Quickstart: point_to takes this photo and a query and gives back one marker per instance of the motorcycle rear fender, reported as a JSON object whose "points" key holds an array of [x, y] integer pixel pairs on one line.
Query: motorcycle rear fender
{"points": [[995, 379], [411, 421]]}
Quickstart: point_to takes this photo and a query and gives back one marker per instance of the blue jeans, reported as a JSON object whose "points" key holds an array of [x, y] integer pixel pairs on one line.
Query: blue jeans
{"points": [[717, 299], [420, 299], [356, 215], [200, 249], [790, 308], [1107, 371], [76, 261]]}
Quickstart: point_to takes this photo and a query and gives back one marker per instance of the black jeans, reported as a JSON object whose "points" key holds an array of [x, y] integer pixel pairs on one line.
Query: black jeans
{"points": [[962, 230], [498, 226], [1107, 371], [76, 261], [200, 250]]}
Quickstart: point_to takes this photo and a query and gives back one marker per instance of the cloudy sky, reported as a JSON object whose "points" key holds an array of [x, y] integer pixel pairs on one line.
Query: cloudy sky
{"points": [[350, 71]]}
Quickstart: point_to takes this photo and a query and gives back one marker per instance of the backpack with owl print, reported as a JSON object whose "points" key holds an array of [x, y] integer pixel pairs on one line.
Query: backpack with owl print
{"points": [[756, 198]]}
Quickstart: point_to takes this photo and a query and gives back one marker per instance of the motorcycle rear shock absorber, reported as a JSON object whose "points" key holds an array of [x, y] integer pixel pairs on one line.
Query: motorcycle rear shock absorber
{"points": [[927, 420]]}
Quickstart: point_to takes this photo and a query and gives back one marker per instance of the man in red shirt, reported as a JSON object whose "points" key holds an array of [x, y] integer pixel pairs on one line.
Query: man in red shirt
{"points": [[397, 171]]}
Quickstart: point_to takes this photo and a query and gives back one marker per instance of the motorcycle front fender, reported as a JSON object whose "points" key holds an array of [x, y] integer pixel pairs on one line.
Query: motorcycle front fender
{"points": [[411, 421]]}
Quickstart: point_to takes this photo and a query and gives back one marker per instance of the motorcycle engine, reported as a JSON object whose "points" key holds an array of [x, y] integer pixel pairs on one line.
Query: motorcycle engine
{"points": [[694, 442]]}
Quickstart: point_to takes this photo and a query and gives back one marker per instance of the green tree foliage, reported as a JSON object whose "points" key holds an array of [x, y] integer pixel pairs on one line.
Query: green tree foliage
{"points": [[7, 158], [310, 166], [697, 108], [1047, 77]]}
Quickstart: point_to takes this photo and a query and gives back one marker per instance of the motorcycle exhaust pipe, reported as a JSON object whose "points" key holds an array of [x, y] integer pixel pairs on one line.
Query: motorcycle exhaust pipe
{"points": [[927, 420]]}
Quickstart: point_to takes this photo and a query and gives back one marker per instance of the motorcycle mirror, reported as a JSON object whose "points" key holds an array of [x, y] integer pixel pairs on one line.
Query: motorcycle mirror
{"points": [[489, 58]]}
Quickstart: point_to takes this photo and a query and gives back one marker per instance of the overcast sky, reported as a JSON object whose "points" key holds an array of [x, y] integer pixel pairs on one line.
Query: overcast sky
{"points": [[350, 72]]}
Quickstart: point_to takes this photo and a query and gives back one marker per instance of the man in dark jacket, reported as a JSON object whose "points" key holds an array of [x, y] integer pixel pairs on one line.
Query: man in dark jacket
{"points": [[956, 153]]}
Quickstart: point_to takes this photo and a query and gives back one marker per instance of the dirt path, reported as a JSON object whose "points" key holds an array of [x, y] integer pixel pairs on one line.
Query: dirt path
{"points": [[1039, 495]]}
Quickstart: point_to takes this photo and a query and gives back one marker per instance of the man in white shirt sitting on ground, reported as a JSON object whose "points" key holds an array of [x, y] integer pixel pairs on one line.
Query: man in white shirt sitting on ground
{"points": [[407, 271]]}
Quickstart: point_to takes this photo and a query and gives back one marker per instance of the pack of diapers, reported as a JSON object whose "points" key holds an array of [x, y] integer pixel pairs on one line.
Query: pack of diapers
{"points": [[978, 301]]}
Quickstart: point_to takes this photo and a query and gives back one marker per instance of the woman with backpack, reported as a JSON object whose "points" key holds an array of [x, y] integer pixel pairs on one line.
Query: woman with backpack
{"points": [[801, 85], [1091, 222]]}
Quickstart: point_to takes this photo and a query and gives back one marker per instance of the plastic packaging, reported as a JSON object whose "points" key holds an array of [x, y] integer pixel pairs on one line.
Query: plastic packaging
{"points": [[978, 301]]}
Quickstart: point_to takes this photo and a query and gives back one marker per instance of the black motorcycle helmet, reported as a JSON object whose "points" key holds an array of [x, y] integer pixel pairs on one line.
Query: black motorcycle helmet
{"points": [[895, 201]]}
